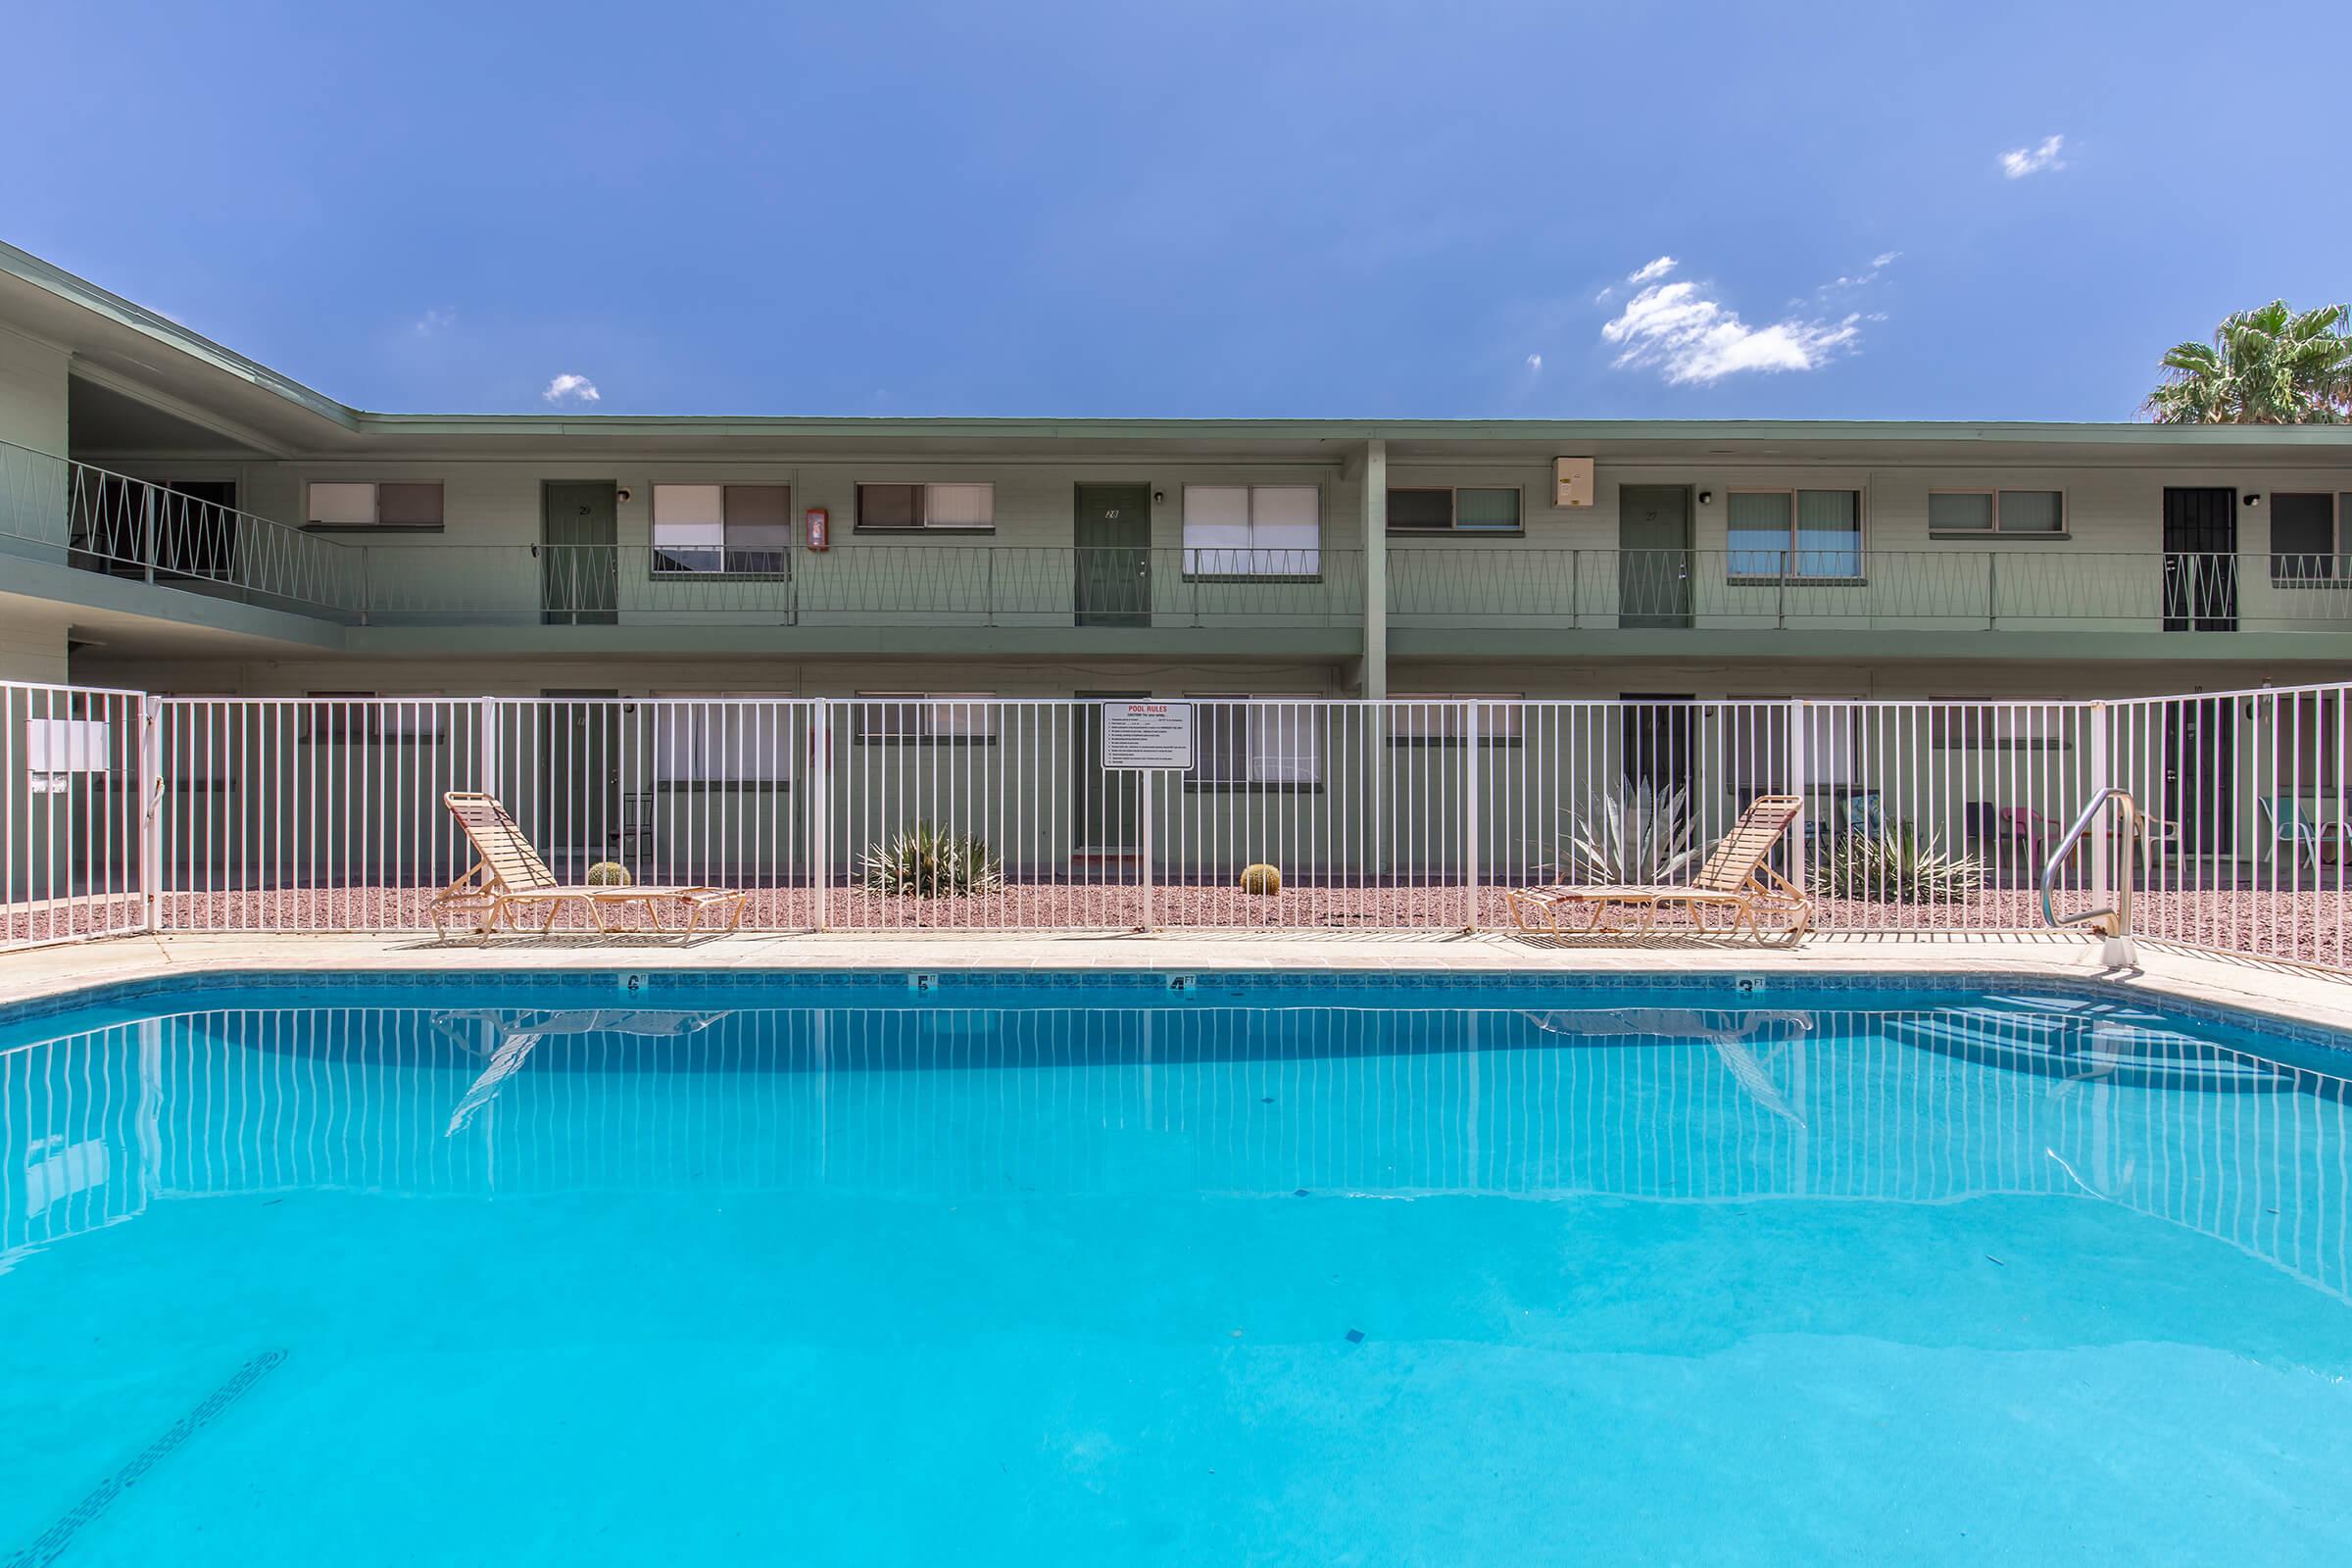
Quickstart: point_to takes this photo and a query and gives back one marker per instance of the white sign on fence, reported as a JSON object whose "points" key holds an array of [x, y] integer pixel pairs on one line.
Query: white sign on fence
{"points": [[65, 745], [1147, 737]]}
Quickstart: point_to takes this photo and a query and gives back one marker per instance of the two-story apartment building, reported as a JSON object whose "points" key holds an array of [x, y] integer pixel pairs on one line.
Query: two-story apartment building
{"points": [[178, 519]]}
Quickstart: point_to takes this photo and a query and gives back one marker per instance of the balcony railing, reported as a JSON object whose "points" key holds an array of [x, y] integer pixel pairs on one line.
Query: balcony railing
{"points": [[109, 523], [91, 519], [2043, 588], [912, 584]]}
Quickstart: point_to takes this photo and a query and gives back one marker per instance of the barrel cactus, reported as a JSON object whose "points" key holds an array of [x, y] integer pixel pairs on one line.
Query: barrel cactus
{"points": [[608, 874], [1262, 880]]}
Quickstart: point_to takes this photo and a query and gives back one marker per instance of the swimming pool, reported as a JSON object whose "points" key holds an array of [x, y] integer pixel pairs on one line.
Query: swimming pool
{"points": [[688, 1268]]}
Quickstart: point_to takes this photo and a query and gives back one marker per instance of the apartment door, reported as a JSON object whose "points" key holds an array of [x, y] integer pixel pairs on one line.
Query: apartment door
{"points": [[181, 529], [1654, 562], [2200, 559], [1110, 804], [1656, 736], [1112, 529], [579, 559], [2200, 794], [198, 532], [578, 817]]}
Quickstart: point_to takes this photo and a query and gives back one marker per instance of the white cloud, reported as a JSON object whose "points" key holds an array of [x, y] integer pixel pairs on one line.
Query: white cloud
{"points": [[1878, 263], [2019, 162], [1676, 329], [1534, 363], [571, 388], [1651, 272], [439, 318]]}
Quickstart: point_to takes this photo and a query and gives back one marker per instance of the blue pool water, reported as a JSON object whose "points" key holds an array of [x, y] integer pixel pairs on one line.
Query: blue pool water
{"points": [[817, 1269]]}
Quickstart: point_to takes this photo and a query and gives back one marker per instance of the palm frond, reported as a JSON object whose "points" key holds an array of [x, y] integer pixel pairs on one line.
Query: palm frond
{"points": [[2271, 364]]}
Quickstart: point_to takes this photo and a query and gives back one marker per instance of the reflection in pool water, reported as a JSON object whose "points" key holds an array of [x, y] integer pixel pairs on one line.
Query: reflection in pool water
{"points": [[1600, 1250]]}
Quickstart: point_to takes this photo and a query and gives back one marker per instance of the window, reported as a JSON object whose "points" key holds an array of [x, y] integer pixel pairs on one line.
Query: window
{"points": [[2002, 724], [409, 717], [2019, 511], [1796, 533], [373, 718], [2306, 741], [1756, 736], [1443, 718], [1463, 510], [187, 527], [1275, 741], [743, 738], [405, 504], [927, 716], [743, 529], [2306, 545], [970, 507], [1252, 530]]}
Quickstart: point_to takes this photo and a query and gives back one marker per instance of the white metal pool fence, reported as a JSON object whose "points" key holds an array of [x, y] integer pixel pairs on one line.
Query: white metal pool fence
{"points": [[126, 811]]}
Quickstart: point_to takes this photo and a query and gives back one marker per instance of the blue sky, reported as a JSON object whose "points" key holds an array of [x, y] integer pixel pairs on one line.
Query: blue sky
{"points": [[1245, 210]]}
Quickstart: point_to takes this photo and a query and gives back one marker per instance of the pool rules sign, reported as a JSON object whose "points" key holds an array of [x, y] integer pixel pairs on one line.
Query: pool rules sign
{"points": [[1147, 737], [1144, 739]]}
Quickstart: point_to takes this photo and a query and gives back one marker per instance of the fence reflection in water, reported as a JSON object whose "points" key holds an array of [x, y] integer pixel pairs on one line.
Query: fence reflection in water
{"points": [[1679, 1103]]}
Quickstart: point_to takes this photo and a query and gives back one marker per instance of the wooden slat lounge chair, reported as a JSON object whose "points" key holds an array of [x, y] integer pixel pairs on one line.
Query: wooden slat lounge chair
{"points": [[1733, 878], [508, 875]]}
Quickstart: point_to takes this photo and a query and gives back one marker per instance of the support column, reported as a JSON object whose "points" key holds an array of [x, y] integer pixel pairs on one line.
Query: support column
{"points": [[1376, 570]]}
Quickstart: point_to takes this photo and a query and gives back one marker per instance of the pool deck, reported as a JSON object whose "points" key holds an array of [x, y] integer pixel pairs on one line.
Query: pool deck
{"points": [[2279, 989]]}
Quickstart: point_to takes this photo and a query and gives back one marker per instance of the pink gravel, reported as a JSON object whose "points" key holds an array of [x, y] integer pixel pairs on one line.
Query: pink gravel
{"points": [[2307, 926]]}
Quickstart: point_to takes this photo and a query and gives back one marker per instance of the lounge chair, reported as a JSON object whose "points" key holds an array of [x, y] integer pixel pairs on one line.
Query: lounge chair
{"points": [[1734, 877], [1865, 814], [2290, 826], [509, 874]]}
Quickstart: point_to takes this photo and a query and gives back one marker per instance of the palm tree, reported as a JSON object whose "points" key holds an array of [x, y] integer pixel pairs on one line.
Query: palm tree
{"points": [[2268, 365]]}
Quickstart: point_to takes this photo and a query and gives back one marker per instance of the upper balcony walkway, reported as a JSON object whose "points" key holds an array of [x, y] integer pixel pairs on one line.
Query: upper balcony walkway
{"points": [[177, 558]]}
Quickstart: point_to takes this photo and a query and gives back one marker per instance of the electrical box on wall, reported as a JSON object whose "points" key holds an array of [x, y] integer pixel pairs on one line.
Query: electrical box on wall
{"points": [[1572, 481]]}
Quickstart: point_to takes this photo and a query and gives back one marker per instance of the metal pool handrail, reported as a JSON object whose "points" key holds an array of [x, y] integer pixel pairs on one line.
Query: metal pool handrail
{"points": [[2113, 922]]}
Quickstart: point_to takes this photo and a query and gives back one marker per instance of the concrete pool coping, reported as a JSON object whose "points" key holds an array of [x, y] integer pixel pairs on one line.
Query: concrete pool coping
{"points": [[2273, 990]]}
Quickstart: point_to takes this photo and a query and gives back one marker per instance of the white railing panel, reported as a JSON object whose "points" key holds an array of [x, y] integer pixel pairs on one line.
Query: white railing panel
{"points": [[945, 812], [2248, 792], [72, 760]]}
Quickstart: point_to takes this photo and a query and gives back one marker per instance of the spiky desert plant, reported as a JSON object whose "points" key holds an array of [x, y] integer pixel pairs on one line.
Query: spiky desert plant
{"points": [[1262, 880], [1898, 866], [925, 862], [608, 874], [1637, 836]]}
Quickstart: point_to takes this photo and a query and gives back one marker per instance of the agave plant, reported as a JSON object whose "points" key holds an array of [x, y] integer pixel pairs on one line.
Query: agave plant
{"points": [[1897, 866], [1638, 836], [930, 862]]}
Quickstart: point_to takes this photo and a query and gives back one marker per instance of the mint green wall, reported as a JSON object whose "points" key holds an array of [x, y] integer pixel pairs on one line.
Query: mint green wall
{"points": [[33, 392], [482, 563]]}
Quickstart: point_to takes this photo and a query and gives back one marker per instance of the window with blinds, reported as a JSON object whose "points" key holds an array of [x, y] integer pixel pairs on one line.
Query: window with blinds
{"points": [[954, 507], [729, 529], [390, 505], [1252, 530], [1777, 534], [2040, 513]]}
